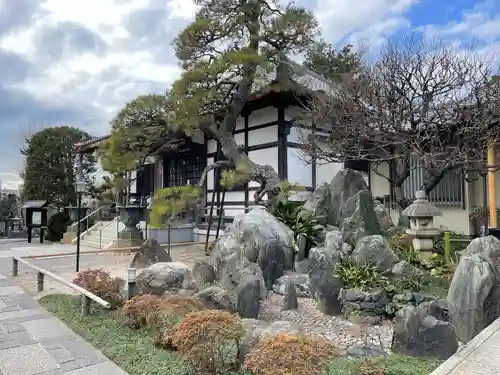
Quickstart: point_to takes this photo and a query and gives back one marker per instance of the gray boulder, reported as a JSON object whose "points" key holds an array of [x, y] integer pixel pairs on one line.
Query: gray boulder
{"points": [[321, 260], [245, 284], [406, 269], [300, 282], [165, 277], [290, 301], [149, 253], [334, 242], [375, 250], [358, 217], [215, 298], [327, 199], [384, 217], [474, 294], [261, 238], [327, 294], [204, 273], [419, 334]]}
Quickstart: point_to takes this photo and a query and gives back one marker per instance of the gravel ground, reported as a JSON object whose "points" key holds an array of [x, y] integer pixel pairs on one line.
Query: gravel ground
{"points": [[335, 328]]}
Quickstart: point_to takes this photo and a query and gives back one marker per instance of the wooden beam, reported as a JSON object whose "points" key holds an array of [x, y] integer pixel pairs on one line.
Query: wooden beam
{"points": [[75, 287]]}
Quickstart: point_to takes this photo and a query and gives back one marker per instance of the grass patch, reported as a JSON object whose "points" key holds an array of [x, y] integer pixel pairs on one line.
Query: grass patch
{"points": [[396, 365], [134, 350]]}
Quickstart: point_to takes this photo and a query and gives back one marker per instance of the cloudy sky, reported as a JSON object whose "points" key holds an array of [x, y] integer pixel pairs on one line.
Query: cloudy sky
{"points": [[76, 62]]}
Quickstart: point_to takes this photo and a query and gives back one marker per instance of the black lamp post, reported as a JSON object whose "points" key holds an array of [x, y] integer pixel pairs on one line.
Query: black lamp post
{"points": [[79, 189]]}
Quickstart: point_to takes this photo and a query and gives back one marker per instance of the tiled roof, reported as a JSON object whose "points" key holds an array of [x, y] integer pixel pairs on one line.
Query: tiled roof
{"points": [[302, 76]]}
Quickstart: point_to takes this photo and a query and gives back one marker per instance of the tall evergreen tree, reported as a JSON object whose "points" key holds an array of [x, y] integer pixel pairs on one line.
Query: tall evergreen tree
{"points": [[52, 165]]}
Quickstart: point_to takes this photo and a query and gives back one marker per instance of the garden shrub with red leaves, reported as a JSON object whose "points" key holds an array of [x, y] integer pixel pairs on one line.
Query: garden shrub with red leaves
{"points": [[102, 284], [287, 354], [207, 339]]}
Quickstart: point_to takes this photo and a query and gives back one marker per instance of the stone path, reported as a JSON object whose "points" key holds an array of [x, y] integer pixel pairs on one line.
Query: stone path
{"points": [[33, 342]]}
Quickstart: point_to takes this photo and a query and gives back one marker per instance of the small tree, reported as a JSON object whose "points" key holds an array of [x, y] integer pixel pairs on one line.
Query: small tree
{"points": [[419, 100], [228, 50], [52, 164]]}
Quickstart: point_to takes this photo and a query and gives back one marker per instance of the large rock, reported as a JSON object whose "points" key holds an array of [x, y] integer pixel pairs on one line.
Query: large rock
{"points": [[299, 280], [417, 333], [327, 200], [165, 277], [474, 294], [384, 217], [261, 238], [359, 218], [150, 253], [323, 286], [334, 242], [375, 250], [215, 298], [204, 273], [244, 282]]}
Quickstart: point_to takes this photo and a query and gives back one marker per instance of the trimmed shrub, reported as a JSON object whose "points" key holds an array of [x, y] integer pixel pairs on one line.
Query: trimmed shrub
{"points": [[56, 226], [148, 310], [287, 354], [208, 339], [102, 284]]}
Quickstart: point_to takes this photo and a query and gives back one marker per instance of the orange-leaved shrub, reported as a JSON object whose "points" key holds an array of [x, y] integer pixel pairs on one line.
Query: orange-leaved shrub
{"points": [[368, 367], [102, 284], [148, 310], [209, 340], [287, 354]]}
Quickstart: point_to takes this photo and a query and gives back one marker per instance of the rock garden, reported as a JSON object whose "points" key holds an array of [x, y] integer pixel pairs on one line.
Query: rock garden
{"points": [[329, 286]]}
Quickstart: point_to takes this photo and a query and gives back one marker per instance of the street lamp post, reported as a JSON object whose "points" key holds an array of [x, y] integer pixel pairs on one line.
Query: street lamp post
{"points": [[79, 188]]}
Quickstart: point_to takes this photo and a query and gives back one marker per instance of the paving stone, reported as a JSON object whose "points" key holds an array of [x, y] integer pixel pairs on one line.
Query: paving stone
{"points": [[26, 360], [22, 315], [4, 282], [24, 301], [10, 290], [13, 327], [45, 328], [107, 368], [60, 354], [84, 352], [9, 309], [7, 300], [2, 305]]}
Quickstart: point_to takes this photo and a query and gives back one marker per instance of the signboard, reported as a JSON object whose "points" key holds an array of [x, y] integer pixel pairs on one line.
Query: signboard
{"points": [[36, 218]]}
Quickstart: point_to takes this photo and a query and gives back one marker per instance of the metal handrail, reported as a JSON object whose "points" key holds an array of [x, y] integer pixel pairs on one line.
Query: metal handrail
{"points": [[117, 218], [73, 226]]}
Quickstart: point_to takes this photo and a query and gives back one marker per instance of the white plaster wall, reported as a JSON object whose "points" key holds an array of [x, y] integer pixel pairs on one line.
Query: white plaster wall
{"points": [[262, 116], [234, 196], [379, 185], [265, 135], [210, 175], [297, 134], [211, 146], [133, 185], [325, 172], [299, 172], [266, 156]]}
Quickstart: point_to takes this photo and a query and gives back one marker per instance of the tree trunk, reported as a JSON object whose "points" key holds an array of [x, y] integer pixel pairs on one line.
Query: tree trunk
{"points": [[265, 175]]}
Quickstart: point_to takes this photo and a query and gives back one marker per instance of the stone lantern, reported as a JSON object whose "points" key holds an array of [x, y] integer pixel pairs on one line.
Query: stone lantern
{"points": [[421, 214]]}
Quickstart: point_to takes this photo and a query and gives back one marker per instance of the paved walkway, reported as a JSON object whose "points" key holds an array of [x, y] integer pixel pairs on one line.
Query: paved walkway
{"points": [[480, 356], [33, 342]]}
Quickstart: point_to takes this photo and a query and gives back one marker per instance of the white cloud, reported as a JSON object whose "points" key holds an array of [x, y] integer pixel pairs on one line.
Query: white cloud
{"points": [[368, 20]]}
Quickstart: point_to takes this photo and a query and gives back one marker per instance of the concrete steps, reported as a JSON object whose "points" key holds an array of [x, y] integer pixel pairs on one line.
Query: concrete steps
{"points": [[102, 235]]}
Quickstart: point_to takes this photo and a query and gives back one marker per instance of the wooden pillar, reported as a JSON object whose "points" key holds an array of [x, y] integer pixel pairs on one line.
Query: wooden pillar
{"points": [[492, 191]]}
